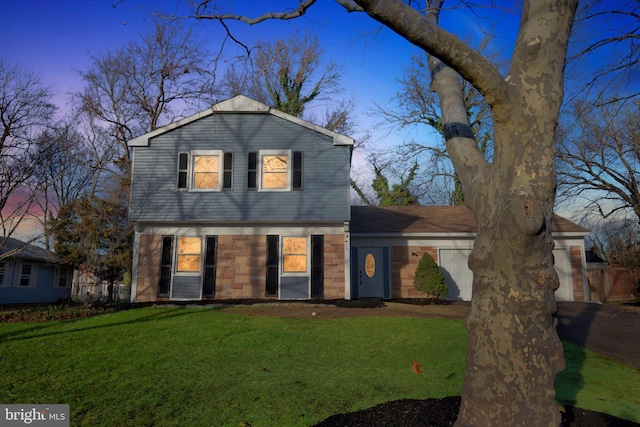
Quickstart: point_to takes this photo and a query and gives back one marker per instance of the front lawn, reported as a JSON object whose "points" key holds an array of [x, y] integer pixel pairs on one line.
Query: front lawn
{"points": [[206, 367]]}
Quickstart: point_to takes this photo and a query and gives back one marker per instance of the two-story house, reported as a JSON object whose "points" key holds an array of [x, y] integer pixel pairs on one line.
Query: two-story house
{"points": [[244, 201], [240, 201]]}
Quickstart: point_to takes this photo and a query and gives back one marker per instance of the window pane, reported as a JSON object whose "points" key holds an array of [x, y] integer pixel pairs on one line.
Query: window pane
{"points": [[189, 245], [205, 163], [205, 180], [182, 180], [183, 160], [188, 262], [295, 254], [274, 180], [295, 245], [189, 250], [205, 171], [274, 171], [274, 163], [295, 263]]}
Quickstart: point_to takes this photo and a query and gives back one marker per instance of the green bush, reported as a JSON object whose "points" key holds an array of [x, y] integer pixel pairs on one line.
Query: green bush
{"points": [[429, 278]]}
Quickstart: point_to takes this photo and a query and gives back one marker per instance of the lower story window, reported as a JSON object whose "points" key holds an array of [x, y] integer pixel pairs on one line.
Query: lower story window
{"points": [[189, 255], [294, 250], [63, 277], [27, 275], [5, 274]]}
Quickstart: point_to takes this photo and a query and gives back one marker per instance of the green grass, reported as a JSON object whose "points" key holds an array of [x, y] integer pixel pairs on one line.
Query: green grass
{"points": [[208, 367]]}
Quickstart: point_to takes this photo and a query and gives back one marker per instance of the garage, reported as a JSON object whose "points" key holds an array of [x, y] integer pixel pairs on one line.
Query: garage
{"points": [[447, 234], [562, 262], [457, 276]]}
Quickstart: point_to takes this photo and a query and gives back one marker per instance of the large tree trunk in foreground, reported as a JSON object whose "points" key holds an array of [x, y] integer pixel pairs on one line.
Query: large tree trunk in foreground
{"points": [[514, 351]]}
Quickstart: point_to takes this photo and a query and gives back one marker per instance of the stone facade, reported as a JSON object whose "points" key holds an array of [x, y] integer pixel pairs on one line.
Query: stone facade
{"points": [[334, 273], [148, 268], [241, 267], [404, 261]]}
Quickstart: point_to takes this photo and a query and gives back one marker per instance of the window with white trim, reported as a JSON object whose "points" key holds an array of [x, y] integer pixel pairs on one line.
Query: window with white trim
{"points": [[26, 275], [189, 256], [205, 170], [294, 255], [5, 274], [62, 278], [274, 170]]}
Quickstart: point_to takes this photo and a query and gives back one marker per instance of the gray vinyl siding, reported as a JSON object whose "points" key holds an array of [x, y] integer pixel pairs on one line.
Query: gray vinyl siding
{"points": [[294, 287], [325, 194], [186, 287]]}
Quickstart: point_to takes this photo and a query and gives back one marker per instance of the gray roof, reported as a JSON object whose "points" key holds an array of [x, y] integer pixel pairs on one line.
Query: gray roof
{"points": [[430, 219], [239, 104], [17, 250]]}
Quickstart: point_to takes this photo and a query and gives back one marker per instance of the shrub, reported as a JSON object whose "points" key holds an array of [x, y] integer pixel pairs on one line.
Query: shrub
{"points": [[429, 278]]}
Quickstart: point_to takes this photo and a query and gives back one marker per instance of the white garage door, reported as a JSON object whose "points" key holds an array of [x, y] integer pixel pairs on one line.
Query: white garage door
{"points": [[562, 263], [457, 275], [459, 278]]}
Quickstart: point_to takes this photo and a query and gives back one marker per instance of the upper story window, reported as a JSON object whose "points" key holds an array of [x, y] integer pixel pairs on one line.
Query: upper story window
{"points": [[205, 170], [274, 170]]}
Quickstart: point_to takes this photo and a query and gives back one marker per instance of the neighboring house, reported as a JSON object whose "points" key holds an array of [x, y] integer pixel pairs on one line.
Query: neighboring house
{"points": [[30, 274], [244, 201], [396, 237], [593, 259], [240, 201]]}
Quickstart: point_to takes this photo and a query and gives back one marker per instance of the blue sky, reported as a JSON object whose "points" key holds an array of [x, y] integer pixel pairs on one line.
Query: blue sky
{"points": [[55, 38]]}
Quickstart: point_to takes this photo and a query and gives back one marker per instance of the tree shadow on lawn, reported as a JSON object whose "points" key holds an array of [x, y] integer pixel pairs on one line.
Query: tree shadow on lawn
{"points": [[573, 325], [38, 331]]}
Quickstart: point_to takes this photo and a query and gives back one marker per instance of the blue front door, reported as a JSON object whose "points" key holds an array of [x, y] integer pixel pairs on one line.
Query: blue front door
{"points": [[370, 273]]}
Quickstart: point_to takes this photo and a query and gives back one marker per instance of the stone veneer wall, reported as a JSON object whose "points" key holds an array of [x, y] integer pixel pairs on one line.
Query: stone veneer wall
{"points": [[241, 267], [577, 279], [148, 268], [403, 269], [334, 273]]}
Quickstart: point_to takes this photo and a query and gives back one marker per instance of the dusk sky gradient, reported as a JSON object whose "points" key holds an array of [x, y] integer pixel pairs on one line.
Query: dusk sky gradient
{"points": [[56, 38]]}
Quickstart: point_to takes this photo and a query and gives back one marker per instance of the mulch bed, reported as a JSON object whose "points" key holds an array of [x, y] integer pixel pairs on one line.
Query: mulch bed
{"points": [[443, 413]]}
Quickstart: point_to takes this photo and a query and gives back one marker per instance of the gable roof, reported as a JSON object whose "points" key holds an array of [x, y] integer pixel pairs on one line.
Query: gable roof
{"points": [[17, 250], [432, 219], [240, 104]]}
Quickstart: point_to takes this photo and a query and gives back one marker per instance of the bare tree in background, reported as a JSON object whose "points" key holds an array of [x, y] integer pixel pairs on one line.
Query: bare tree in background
{"points": [[599, 157], [290, 76], [135, 89], [415, 106], [616, 240], [26, 112], [65, 173], [605, 42], [513, 344]]}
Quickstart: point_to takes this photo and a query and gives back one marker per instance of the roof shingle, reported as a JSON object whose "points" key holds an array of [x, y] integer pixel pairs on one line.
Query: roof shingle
{"points": [[429, 219]]}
